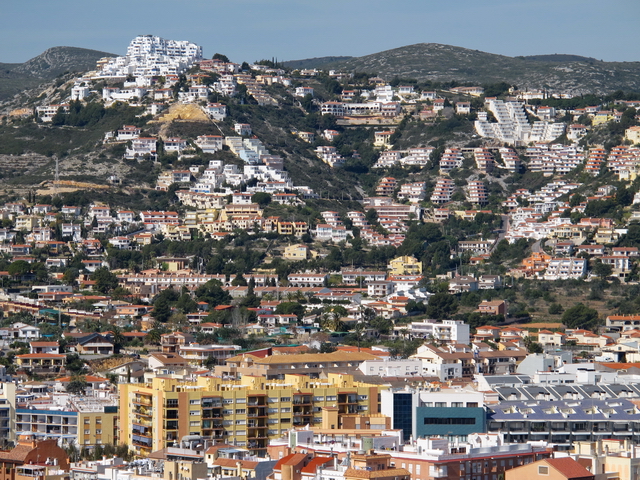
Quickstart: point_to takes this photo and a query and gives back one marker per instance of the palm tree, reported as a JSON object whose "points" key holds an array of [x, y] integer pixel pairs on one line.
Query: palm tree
{"points": [[359, 332], [118, 338], [154, 336]]}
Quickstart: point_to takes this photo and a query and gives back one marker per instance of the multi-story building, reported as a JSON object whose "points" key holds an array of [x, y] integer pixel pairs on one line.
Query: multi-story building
{"points": [[563, 422], [386, 186], [451, 158], [278, 367], [564, 268], [142, 147], [7, 412], [405, 265], [82, 420], [446, 331], [477, 192], [510, 158], [414, 192], [512, 125], [443, 190], [247, 412], [150, 56], [484, 160], [453, 413]]}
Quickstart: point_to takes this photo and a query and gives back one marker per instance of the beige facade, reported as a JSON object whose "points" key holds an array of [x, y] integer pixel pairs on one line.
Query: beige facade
{"points": [[248, 412]]}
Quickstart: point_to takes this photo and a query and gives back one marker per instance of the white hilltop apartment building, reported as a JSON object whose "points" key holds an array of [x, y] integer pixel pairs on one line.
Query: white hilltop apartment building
{"points": [[446, 331], [150, 56], [512, 124]]}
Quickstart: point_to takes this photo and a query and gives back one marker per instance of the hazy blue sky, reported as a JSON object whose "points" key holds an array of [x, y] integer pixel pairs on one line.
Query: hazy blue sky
{"points": [[249, 30]]}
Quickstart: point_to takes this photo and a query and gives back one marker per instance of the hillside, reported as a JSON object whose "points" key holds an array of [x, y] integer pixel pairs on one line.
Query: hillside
{"points": [[436, 62], [15, 77], [313, 62]]}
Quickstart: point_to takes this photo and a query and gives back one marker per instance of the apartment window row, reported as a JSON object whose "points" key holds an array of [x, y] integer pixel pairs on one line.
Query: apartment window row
{"points": [[449, 421]]}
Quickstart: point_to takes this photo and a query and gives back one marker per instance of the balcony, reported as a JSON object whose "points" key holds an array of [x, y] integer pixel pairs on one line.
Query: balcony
{"points": [[145, 412], [143, 433], [436, 472], [142, 422], [141, 441]]}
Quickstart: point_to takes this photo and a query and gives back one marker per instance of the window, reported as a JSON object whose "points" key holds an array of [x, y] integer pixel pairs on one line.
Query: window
{"points": [[194, 402], [241, 432], [87, 432], [272, 421], [193, 413], [441, 404], [241, 411], [457, 404], [285, 410], [472, 404], [449, 421], [543, 470], [194, 424], [98, 420], [172, 402], [227, 422], [418, 469], [227, 401], [241, 422], [87, 421], [98, 432], [331, 398], [285, 399], [273, 400], [272, 410], [227, 412], [241, 400], [318, 399]]}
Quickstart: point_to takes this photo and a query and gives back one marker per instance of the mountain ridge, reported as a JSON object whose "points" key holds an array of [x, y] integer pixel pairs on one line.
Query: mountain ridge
{"points": [[572, 74], [16, 77]]}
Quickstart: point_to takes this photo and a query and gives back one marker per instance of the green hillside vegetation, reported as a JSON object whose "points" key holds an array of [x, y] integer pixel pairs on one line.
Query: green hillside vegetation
{"points": [[445, 63], [313, 62]]}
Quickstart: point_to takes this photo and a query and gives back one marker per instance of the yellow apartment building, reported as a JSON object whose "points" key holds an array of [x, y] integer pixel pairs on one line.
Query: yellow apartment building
{"points": [[405, 265], [248, 412]]}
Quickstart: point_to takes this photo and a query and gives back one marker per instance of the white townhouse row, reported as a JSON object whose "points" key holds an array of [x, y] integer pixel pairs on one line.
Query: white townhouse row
{"points": [[329, 155], [417, 156]]}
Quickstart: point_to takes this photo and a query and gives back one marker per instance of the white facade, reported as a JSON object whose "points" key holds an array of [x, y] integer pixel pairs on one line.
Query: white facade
{"points": [[391, 368], [564, 268], [151, 56], [449, 331]]}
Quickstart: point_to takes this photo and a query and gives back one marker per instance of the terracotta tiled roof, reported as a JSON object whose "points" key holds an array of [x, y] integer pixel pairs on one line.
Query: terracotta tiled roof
{"points": [[568, 467], [42, 355], [18, 454]]}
